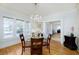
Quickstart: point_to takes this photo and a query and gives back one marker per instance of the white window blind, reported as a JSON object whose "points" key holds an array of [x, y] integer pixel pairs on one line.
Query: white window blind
{"points": [[8, 27], [19, 26], [13, 27], [28, 28]]}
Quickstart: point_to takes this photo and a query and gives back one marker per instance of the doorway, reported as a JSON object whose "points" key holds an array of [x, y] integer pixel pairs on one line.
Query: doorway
{"points": [[55, 30]]}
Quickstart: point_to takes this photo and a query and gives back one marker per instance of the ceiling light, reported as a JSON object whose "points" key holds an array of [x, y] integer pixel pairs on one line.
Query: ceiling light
{"points": [[35, 16]]}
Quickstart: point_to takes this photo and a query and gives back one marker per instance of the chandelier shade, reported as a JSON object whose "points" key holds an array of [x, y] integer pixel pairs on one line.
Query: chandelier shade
{"points": [[35, 16]]}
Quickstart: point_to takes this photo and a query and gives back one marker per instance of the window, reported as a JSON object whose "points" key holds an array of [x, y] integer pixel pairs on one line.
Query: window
{"points": [[16, 27], [28, 28], [19, 26], [8, 27], [23, 27]]}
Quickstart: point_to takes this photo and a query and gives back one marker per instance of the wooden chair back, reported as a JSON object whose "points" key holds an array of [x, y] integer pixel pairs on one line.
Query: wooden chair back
{"points": [[49, 39], [22, 40], [36, 46], [40, 34]]}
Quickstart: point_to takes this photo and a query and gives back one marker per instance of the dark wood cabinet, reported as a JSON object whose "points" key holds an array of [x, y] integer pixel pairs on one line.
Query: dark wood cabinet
{"points": [[70, 42]]}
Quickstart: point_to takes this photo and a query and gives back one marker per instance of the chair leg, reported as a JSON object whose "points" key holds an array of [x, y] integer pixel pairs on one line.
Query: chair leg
{"points": [[49, 49], [22, 51], [47, 46]]}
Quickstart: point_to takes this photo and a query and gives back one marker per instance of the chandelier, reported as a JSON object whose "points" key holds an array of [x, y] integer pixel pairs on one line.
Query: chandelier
{"points": [[36, 16]]}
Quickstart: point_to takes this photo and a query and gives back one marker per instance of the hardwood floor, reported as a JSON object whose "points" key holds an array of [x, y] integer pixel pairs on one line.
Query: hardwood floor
{"points": [[56, 36], [56, 49]]}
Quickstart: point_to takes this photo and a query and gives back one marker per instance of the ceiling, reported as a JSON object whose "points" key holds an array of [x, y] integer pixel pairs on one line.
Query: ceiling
{"points": [[43, 9]]}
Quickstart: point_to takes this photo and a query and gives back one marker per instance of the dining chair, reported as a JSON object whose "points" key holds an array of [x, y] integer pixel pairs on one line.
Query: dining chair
{"points": [[46, 42], [36, 46], [41, 34], [25, 44], [38, 34]]}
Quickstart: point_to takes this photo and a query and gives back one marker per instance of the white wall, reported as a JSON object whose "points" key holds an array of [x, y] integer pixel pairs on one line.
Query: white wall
{"points": [[69, 20], [77, 25], [77, 20]]}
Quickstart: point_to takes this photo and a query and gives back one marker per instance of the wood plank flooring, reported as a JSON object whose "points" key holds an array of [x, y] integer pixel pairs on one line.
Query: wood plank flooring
{"points": [[56, 36], [56, 49]]}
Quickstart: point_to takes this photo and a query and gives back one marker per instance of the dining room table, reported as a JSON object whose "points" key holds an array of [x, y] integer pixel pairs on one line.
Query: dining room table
{"points": [[37, 44]]}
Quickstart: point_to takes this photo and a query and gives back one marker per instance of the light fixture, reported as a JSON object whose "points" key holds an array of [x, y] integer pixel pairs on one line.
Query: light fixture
{"points": [[36, 16]]}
